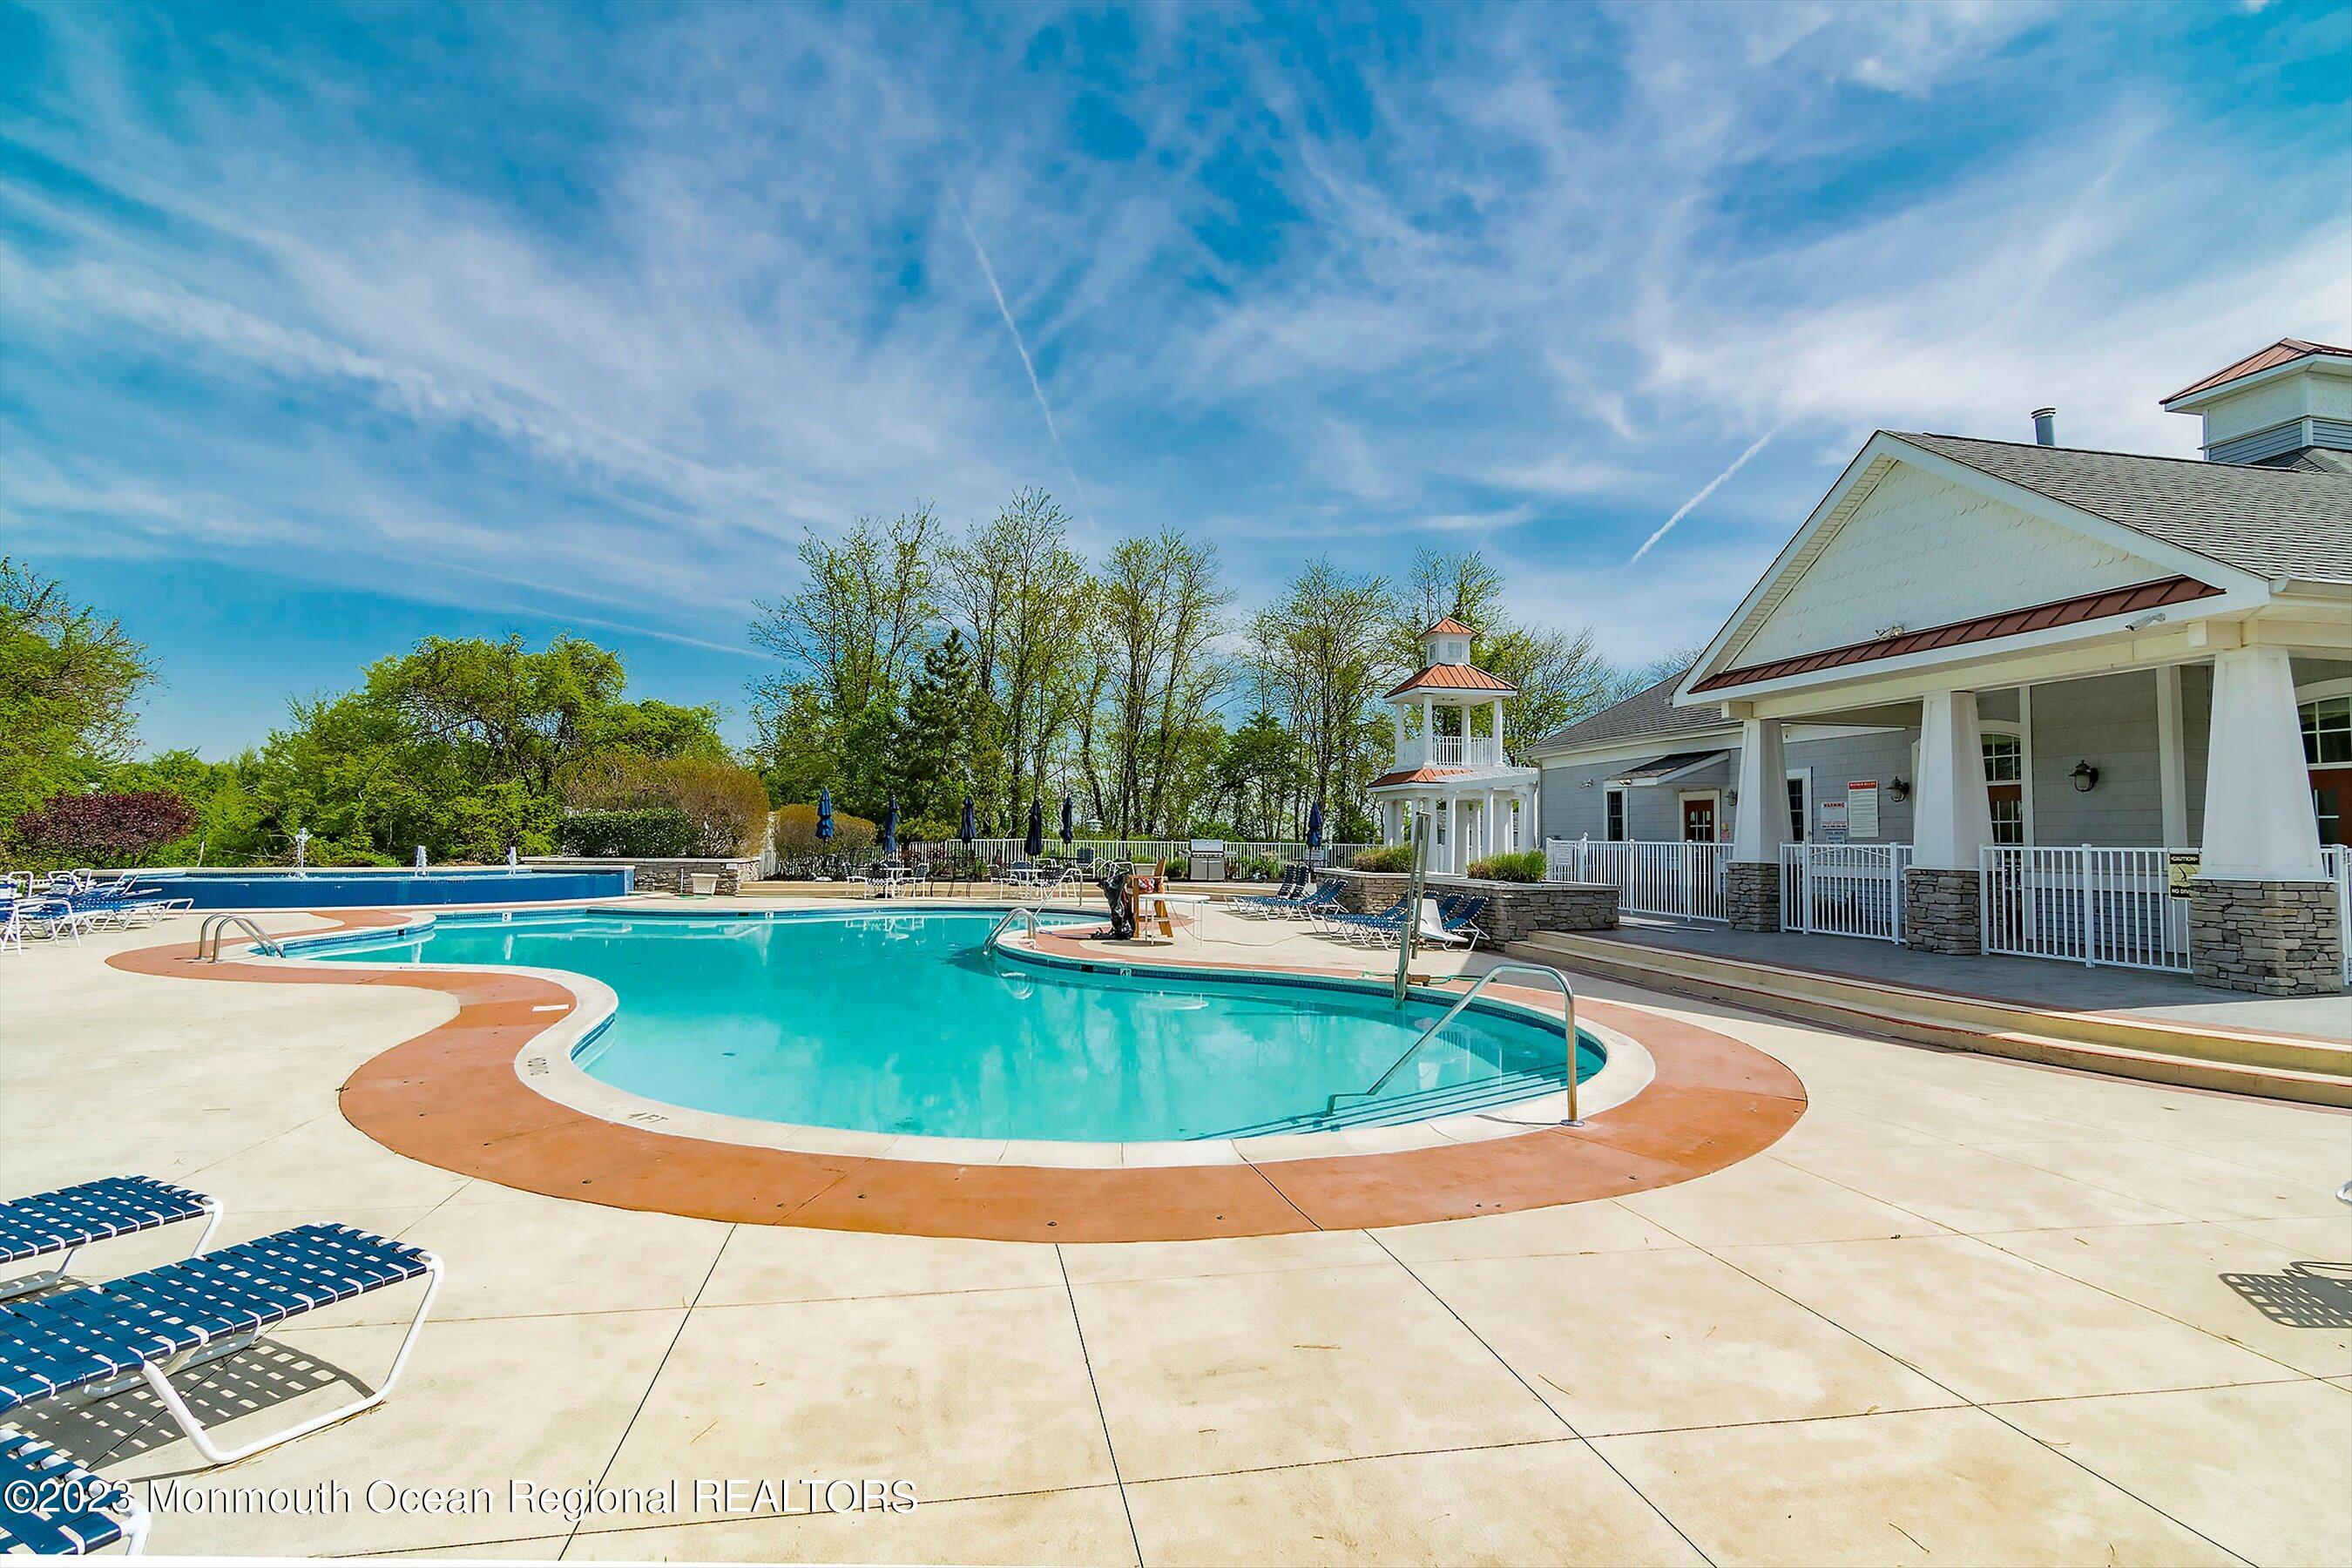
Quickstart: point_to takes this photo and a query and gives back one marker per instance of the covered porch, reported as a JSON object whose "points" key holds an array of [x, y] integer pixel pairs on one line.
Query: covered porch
{"points": [[1468, 815]]}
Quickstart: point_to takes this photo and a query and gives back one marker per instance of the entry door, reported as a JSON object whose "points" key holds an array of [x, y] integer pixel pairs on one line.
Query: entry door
{"points": [[2008, 803], [2331, 801], [1698, 819]]}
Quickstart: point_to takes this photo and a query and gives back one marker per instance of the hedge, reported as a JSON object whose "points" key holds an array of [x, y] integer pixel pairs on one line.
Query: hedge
{"points": [[650, 832]]}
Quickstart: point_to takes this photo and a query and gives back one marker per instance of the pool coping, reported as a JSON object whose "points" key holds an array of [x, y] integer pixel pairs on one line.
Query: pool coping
{"points": [[456, 1097]]}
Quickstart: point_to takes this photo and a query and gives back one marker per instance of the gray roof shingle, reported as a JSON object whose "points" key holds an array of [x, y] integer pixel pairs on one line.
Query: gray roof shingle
{"points": [[2273, 522], [1649, 711]]}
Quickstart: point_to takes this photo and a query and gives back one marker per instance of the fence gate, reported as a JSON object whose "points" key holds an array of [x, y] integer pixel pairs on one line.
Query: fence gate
{"points": [[1844, 890], [2083, 905]]}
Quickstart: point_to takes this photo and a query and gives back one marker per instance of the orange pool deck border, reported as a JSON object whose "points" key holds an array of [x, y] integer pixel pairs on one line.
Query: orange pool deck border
{"points": [[451, 1098]]}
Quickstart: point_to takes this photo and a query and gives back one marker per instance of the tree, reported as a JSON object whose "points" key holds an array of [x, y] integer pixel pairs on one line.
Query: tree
{"points": [[1158, 609], [67, 677], [1322, 655], [1018, 591], [931, 744], [849, 637], [100, 828], [1258, 772]]}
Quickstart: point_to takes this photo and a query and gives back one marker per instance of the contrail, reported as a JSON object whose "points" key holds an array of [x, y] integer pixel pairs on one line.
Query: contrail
{"points": [[1022, 348], [1685, 510]]}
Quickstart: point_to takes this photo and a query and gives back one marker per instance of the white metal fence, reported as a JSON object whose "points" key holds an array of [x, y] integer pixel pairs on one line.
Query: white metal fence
{"points": [[2338, 860], [1844, 890], [1652, 877], [2086, 905], [1149, 851]]}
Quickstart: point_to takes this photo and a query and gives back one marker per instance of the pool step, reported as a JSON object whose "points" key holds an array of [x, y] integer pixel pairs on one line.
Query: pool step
{"points": [[1421, 1105], [2279, 1065]]}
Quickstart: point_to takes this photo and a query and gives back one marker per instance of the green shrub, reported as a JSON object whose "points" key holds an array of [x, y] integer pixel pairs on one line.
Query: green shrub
{"points": [[796, 833], [1254, 869], [1518, 866], [647, 832], [1388, 858]]}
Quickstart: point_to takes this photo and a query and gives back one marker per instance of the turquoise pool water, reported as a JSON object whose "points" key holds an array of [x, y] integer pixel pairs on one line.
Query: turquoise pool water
{"points": [[900, 1023]]}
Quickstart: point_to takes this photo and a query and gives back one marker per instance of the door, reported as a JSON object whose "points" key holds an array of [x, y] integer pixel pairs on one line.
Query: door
{"points": [[2008, 803], [2331, 801], [1698, 819]]}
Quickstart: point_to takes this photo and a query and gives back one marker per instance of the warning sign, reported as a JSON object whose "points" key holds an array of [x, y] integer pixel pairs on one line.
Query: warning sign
{"points": [[2180, 869]]}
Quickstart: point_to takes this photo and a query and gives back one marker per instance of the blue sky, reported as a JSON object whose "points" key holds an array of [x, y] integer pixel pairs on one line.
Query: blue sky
{"points": [[321, 331]]}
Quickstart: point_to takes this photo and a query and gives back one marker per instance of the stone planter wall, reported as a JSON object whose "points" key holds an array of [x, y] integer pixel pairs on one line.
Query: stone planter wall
{"points": [[2276, 939], [1513, 909], [1941, 913]]}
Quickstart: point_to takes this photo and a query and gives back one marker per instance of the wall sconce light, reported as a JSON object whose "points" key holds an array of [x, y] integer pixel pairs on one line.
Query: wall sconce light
{"points": [[1586, 784], [1898, 788], [2085, 777]]}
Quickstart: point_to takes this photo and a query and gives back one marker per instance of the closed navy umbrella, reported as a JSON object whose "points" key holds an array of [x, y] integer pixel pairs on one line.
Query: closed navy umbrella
{"points": [[1314, 829], [1067, 832], [890, 827], [964, 829], [1035, 843], [824, 814]]}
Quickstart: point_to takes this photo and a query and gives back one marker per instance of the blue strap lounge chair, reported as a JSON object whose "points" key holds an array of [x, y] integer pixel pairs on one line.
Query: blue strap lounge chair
{"points": [[51, 1507], [95, 1341], [63, 1222], [1293, 885], [1311, 904], [1370, 930]]}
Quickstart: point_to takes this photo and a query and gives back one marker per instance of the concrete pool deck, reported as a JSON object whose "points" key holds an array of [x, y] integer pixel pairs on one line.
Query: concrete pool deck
{"points": [[1965, 1309]]}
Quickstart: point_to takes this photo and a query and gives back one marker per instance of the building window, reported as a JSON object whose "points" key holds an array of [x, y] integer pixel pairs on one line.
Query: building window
{"points": [[2004, 759], [1614, 831], [2327, 731], [1797, 810]]}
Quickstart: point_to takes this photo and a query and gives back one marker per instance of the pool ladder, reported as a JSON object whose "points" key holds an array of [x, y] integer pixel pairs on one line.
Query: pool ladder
{"points": [[1018, 911], [209, 935], [1568, 1026]]}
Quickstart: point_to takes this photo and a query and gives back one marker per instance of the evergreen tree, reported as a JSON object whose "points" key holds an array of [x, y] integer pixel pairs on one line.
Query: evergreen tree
{"points": [[931, 742]]}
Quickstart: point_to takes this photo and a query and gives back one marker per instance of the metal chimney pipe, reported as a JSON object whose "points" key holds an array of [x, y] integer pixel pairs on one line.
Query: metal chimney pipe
{"points": [[2045, 427]]}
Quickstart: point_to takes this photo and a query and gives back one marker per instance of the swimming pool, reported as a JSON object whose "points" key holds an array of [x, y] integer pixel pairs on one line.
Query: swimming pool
{"points": [[901, 1023], [331, 889]]}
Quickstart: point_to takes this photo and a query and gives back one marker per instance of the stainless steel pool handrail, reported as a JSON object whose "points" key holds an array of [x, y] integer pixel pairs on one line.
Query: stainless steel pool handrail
{"points": [[211, 931], [1024, 912], [1568, 1025]]}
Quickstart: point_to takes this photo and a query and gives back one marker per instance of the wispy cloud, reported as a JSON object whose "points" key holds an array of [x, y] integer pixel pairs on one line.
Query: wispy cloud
{"points": [[1706, 490], [996, 289]]}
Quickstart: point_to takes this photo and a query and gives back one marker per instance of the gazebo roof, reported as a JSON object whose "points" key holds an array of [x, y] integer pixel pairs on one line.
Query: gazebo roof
{"points": [[1452, 677]]}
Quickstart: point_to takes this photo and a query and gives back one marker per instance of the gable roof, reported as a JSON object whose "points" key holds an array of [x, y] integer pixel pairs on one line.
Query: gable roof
{"points": [[2286, 351], [1977, 629], [1451, 677], [2273, 522], [1649, 711]]}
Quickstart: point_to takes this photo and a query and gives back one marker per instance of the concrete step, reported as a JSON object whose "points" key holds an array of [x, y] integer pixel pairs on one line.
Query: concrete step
{"points": [[2286, 1066]]}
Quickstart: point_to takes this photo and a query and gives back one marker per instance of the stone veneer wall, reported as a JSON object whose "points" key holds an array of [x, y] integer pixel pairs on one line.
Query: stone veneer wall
{"points": [[1513, 909], [2279, 939], [1940, 911], [1751, 894]]}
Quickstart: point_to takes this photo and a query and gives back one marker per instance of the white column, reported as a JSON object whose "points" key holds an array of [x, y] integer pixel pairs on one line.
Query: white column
{"points": [[1498, 731], [2258, 821], [1951, 817], [2171, 758], [1454, 861], [1760, 818], [1398, 714], [1428, 730]]}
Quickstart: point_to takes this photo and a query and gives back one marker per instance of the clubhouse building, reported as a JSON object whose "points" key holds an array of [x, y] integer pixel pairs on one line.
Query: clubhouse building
{"points": [[2015, 698]]}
